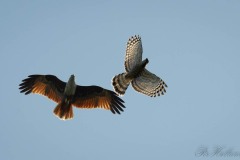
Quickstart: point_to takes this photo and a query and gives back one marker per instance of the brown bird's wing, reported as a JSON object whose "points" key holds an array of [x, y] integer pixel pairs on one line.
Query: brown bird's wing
{"points": [[97, 97], [47, 85]]}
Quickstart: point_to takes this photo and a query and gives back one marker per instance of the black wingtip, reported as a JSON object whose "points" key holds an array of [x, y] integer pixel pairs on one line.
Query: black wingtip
{"points": [[27, 84], [116, 104]]}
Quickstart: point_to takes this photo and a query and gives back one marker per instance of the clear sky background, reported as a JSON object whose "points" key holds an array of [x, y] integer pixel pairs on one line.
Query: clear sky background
{"points": [[194, 46]]}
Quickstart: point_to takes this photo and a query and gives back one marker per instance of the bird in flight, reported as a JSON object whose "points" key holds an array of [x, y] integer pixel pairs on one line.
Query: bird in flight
{"points": [[141, 79], [69, 94]]}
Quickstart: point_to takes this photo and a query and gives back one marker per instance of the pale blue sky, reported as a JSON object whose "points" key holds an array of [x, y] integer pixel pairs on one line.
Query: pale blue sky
{"points": [[194, 46]]}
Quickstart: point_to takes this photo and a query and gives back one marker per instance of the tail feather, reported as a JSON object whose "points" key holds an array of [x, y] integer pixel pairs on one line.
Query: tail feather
{"points": [[64, 111], [120, 83]]}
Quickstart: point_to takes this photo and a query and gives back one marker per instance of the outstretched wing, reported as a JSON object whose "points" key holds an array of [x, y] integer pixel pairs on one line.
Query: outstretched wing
{"points": [[149, 84], [47, 85], [133, 52], [97, 97]]}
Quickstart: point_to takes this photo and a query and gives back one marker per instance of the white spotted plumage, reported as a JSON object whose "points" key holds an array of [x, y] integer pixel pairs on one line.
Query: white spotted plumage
{"points": [[141, 79], [133, 53]]}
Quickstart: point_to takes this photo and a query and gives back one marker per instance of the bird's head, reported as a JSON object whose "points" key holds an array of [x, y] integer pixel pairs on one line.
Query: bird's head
{"points": [[145, 62], [70, 86], [72, 78]]}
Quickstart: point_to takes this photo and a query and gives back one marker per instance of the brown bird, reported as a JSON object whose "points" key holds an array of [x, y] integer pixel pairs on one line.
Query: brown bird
{"points": [[69, 94]]}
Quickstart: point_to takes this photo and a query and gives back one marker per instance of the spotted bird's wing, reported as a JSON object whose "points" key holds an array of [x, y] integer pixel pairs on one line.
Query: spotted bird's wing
{"points": [[149, 84], [133, 52], [97, 97], [47, 85]]}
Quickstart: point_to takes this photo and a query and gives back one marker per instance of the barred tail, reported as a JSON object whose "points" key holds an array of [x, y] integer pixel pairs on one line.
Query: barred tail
{"points": [[64, 110], [120, 83]]}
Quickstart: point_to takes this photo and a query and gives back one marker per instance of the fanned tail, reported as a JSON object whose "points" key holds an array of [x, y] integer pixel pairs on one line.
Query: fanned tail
{"points": [[120, 83], [64, 111]]}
